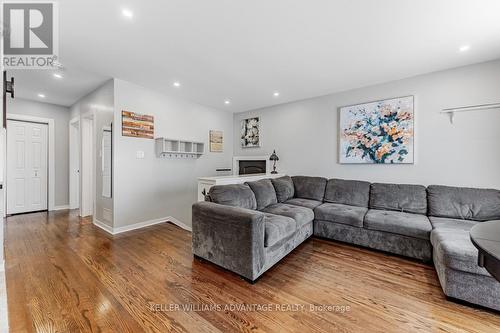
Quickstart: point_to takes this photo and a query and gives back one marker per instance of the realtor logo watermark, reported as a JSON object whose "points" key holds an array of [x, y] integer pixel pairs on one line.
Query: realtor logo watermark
{"points": [[31, 38], [252, 307]]}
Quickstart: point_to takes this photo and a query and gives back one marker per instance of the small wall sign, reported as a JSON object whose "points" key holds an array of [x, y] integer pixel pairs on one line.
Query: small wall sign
{"points": [[138, 125]]}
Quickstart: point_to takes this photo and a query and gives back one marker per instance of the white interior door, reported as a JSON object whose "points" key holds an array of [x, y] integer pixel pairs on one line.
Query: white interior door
{"points": [[27, 166]]}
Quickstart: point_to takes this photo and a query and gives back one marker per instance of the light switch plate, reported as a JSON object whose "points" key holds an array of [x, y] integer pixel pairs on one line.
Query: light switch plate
{"points": [[139, 154]]}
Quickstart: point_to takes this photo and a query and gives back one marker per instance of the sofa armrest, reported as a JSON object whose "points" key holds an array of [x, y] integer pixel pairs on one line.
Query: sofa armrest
{"points": [[230, 237]]}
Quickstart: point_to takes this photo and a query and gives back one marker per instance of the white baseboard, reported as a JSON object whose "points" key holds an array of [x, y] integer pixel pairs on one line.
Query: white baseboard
{"points": [[178, 223], [64, 207], [103, 226], [139, 225]]}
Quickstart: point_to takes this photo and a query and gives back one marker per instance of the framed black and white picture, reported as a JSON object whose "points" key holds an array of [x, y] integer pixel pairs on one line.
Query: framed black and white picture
{"points": [[250, 133]]}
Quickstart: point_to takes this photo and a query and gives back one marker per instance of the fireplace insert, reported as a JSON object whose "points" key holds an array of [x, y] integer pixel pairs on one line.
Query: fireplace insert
{"points": [[252, 167]]}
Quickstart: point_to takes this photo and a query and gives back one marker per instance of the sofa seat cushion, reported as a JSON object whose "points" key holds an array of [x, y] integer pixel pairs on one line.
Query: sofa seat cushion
{"points": [[301, 215], [454, 249], [309, 187], [446, 223], [277, 227], [284, 188], [265, 194], [338, 213], [308, 203], [464, 203], [399, 197], [406, 224]]}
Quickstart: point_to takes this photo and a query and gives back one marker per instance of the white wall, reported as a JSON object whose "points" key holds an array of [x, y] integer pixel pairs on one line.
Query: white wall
{"points": [[100, 104], [1, 232], [305, 133], [60, 115], [153, 188], [2, 149], [2, 173]]}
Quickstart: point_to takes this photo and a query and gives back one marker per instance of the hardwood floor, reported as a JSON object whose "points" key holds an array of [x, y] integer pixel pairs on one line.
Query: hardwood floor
{"points": [[66, 275]]}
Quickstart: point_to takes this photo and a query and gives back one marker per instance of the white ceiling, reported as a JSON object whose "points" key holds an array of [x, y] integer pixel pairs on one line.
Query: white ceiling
{"points": [[66, 91], [246, 50]]}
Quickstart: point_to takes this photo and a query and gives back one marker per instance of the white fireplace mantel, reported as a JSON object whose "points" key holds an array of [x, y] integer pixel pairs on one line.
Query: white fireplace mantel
{"points": [[206, 183], [237, 159]]}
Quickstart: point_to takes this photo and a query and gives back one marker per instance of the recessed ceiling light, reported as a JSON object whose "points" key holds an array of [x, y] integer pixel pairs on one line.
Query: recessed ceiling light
{"points": [[227, 102], [127, 13], [276, 93], [58, 76], [177, 84], [464, 48], [41, 95]]}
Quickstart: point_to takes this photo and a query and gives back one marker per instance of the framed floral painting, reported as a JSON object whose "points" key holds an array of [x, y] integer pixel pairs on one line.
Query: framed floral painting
{"points": [[250, 133], [380, 132]]}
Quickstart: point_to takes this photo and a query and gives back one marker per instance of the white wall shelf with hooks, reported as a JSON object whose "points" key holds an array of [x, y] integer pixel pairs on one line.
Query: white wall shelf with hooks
{"points": [[451, 111], [178, 148]]}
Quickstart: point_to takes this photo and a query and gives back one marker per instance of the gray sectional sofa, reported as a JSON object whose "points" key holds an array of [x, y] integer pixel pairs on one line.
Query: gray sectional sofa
{"points": [[247, 228]]}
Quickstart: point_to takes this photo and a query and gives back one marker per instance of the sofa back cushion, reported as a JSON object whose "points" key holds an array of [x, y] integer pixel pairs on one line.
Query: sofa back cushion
{"points": [[309, 187], [284, 188], [348, 192], [464, 203], [236, 195], [265, 194], [399, 197]]}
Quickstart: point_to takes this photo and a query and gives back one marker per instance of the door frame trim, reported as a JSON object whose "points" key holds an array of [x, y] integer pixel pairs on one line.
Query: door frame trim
{"points": [[74, 125], [51, 157]]}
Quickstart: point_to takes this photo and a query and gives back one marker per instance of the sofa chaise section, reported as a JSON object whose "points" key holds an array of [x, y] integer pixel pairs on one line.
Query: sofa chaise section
{"points": [[454, 211]]}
